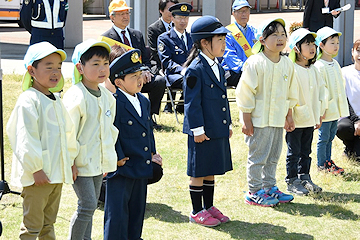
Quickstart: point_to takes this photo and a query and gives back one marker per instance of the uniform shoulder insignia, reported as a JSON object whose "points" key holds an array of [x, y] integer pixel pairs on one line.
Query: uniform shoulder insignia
{"points": [[26, 2], [161, 47], [191, 81]]}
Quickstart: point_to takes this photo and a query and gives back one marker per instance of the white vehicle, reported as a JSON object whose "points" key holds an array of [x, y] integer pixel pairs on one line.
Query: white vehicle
{"points": [[10, 10]]}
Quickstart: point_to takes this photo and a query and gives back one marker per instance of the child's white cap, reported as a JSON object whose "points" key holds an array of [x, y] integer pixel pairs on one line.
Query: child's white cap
{"points": [[295, 37], [36, 52], [322, 34], [79, 50], [257, 46]]}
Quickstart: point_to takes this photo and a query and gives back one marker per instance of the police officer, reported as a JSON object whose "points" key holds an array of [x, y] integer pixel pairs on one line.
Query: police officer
{"points": [[44, 20], [174, 47]]}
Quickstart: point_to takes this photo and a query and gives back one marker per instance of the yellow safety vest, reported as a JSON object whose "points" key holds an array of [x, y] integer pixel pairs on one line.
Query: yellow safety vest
{"points": [[240, 39]]}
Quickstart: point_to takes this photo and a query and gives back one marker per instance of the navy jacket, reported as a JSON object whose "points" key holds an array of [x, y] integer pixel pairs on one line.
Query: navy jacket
{"points": [[206, 102], [136, 138], [173, 54], [313, 17], [137, 41]]}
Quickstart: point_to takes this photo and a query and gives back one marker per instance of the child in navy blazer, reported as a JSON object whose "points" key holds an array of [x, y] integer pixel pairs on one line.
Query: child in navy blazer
{"points": [[127, 187], [207, 119]]}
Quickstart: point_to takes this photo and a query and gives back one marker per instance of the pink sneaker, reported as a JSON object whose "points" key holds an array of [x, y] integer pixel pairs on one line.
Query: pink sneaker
{"points": [[204, 218], [218, 215]]}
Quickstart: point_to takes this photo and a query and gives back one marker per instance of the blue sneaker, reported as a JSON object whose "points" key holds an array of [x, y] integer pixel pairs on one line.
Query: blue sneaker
{"points": [[260, 198], [276, 193]]}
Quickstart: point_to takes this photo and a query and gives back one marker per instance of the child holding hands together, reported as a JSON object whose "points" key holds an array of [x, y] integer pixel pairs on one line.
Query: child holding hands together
{"points": [[266, 95]]}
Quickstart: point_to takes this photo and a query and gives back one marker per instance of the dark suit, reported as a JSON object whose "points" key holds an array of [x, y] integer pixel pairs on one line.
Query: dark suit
{"points": [[156, 87], [173, 54], [127, 186], [154, 31], [313, 17]]}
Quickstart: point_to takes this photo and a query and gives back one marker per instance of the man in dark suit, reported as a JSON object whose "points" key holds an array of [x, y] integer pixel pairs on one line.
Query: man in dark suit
{"points": [[154, 85], [174, 47], [320, 13], [163, 24]]}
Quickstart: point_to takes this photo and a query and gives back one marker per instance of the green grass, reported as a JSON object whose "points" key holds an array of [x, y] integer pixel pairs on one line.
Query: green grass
{"points": [[333, 214]]}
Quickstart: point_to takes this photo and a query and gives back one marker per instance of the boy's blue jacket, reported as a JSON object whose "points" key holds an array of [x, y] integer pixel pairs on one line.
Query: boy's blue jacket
{"points": [[43, 14], [206, 102], [136, 138]]}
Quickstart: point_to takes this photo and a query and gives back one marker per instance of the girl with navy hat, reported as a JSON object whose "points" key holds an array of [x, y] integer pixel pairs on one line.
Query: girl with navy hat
{"points": [[207, 119]]}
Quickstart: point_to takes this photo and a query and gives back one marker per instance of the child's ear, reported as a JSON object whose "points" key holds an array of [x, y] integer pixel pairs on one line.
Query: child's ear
{"points": [[262, 40], [79, 68], [321, 45], [31, 70], [117, 82]]}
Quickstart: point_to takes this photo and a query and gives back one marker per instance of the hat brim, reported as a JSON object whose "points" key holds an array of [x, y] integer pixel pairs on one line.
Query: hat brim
{"points": [[27, 83], [241, 6]]}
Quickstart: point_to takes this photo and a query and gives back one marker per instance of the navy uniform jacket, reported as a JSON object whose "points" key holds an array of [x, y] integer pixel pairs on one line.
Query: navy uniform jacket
{"points": [[136, 138], [313, 17], [137, 41], [154, 31], [173, 54], [206, 102], [39, 19]]}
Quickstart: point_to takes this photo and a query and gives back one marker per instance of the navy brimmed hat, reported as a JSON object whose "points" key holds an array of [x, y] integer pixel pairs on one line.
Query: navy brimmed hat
{"points": [[182, 9], [257, 46], [79, 50], [36, 52], [238, 4], [206, 26], [322, 34], [296, 37], [129, 62]]}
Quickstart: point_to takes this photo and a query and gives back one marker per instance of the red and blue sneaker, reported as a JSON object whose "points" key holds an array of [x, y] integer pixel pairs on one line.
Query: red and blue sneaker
{"points": [[276, 193], [260, 198]]}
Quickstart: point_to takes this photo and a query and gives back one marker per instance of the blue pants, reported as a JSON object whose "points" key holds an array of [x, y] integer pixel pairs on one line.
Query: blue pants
{"points": [[327, 132], [125, 203], [298, 158]]}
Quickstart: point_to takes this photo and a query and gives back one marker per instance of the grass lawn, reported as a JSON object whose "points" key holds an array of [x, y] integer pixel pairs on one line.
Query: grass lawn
{"points": [[333, 214]]}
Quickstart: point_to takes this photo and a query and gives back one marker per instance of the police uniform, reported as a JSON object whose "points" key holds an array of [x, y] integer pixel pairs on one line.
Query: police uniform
{"points": [[207, 106], [45, 20], [127, 186], [172, 50]]}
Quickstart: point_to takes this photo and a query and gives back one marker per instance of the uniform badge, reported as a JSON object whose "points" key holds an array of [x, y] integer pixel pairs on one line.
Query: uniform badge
{"points": [[135, 57], [183, 8], [161, 47], [26, 2]]}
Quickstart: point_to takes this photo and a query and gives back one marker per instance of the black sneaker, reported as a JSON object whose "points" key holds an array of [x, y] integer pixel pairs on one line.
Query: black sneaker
{"points": [[297, 188], [330, 166]]}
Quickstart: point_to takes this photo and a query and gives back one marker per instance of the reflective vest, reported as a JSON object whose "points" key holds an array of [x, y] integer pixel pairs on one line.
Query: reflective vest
{"points": [[44, 17]]}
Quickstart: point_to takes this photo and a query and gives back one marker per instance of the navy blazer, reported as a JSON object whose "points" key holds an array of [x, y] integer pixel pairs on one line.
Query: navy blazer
{"points": [[173, 54], [206, 102], [137, 41], [313, 17], [136, 138], [154, 31]]}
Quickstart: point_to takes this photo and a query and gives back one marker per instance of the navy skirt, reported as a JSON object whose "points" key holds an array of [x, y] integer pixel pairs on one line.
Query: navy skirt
{"points": [[208, 158]]}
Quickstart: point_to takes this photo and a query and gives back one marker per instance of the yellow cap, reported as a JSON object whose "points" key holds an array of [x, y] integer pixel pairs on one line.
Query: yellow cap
{"points": [[118, 5]]}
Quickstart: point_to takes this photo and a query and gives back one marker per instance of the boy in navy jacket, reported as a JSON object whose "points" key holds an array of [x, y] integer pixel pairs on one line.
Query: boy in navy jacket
{"points": [[127, 186]]}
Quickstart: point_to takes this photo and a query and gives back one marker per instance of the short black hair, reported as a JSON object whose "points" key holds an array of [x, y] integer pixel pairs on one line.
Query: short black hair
{"points": [[162, 4], [97, 50]]}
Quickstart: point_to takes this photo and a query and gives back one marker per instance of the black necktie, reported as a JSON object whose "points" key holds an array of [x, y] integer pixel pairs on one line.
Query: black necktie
{"points": [[182, 39]]}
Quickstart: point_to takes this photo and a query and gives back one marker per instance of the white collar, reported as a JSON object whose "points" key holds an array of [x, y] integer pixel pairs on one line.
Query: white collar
{"points": [[209, 60]]}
